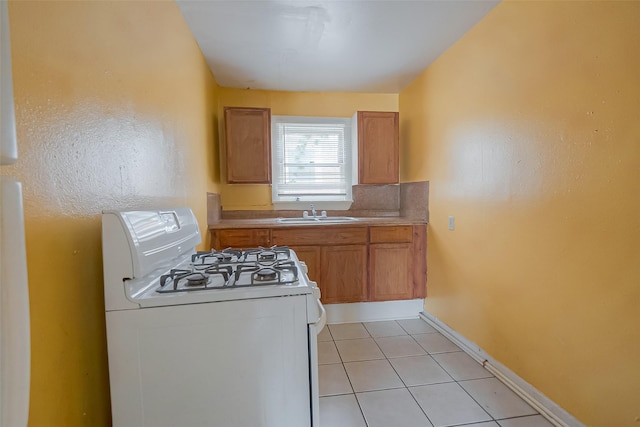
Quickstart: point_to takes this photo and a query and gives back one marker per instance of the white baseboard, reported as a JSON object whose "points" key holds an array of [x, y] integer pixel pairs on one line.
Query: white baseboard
{"points": [[374, 311], [547, 408]]}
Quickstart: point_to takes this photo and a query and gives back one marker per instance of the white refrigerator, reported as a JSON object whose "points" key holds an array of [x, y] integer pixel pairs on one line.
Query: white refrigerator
{"points": [[15, 346]]}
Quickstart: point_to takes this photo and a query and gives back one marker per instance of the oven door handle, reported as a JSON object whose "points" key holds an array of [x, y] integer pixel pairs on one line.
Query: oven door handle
{"points": [[322, 320], [319, 309], [314, 330]]}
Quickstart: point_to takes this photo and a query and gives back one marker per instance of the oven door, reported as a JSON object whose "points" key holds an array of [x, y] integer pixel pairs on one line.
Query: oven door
{"points": [[238, 363], [314, 329]]}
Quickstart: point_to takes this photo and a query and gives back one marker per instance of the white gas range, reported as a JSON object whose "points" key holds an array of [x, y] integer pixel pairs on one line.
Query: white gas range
{"points": [[206, 338]]}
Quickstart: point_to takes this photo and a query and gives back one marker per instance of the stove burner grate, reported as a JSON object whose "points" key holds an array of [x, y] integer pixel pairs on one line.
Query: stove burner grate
{"points": [[261, 273], [195, 279], [179, 280], [216, 257], [274, 253], [267, 256], [231, 268], [265, 275]]}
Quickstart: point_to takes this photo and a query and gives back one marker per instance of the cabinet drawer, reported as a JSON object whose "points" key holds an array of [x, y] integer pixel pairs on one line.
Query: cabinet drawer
{"points": [[391, 234], [241, 238], [319, 236]]}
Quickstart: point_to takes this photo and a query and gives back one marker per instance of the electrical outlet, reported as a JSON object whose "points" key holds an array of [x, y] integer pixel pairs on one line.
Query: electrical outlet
{"points": [[452, 223]]}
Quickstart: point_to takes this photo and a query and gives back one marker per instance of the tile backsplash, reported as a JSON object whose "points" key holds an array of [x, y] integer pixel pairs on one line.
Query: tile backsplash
{"points": [[376, 198], [414, 200], [409, 199], [214, 208]]}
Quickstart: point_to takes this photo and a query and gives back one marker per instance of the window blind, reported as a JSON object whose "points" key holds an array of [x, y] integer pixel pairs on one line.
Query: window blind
{"points": [[311, 159]]}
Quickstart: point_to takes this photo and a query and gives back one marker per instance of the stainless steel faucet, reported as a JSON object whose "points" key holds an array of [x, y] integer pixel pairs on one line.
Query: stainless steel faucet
{"points": [[313, 210]]}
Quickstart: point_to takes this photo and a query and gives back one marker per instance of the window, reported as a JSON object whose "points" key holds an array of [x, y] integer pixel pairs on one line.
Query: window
{"points": [[311, 159]]}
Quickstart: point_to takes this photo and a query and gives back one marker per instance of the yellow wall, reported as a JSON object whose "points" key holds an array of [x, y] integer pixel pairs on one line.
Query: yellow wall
{"points": [[528, 131], [115, 109], [322, 104]]}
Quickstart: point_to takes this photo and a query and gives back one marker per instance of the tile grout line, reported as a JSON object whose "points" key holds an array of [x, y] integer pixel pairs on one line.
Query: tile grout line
{"points": [[448, 382], [545, 407], [355, 396], [459, 385], [405, 386], [456, 381], [472, 379], [474, 399], [343, 367], [400, 377]]}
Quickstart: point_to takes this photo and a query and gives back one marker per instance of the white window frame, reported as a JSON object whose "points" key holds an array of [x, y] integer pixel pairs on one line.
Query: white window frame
{"points": [[303, 201]]}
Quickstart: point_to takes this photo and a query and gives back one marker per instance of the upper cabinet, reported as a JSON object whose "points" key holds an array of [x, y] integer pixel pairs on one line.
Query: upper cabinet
{"points": [[248, 145], [378, 145]]}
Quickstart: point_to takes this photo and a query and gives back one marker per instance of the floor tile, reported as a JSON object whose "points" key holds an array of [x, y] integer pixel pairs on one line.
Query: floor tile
{"points": [[325, 335], [361, 349], [399, 346], [328, 353], [461, 366], [340, 411], [372, 375], [435, 343], [348, 331], [485, 424], [497, 399], [530, 421], [419, 370], [333, 380], [416, 326], [379, 360], [448, 404], [395, 408], [388, 328]]}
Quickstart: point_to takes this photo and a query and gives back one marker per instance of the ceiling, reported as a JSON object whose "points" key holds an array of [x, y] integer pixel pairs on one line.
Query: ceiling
{"points": [[348, 45]]}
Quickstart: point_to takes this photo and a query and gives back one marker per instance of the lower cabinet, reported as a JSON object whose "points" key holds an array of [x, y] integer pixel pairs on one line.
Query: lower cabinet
{"points": [[343, 277], [390, 267], [311, 256], [336, 258], [349, 264]]}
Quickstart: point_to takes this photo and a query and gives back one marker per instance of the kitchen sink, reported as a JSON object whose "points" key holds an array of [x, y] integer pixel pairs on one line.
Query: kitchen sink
{"points": [[317, 219]]}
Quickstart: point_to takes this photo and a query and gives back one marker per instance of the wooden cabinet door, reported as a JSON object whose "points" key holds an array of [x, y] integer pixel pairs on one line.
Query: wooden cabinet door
{"points": [[311, 256], [240, 238], [248, 145], [344, 274], [378, 145], [390, 271], [419, 261]]}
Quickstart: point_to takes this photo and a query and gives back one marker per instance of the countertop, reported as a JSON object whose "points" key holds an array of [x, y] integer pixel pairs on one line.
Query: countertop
{"points": [[273, 223]]}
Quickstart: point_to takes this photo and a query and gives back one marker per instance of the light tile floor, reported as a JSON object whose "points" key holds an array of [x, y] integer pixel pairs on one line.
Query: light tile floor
{"points": [[403, 373]]}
